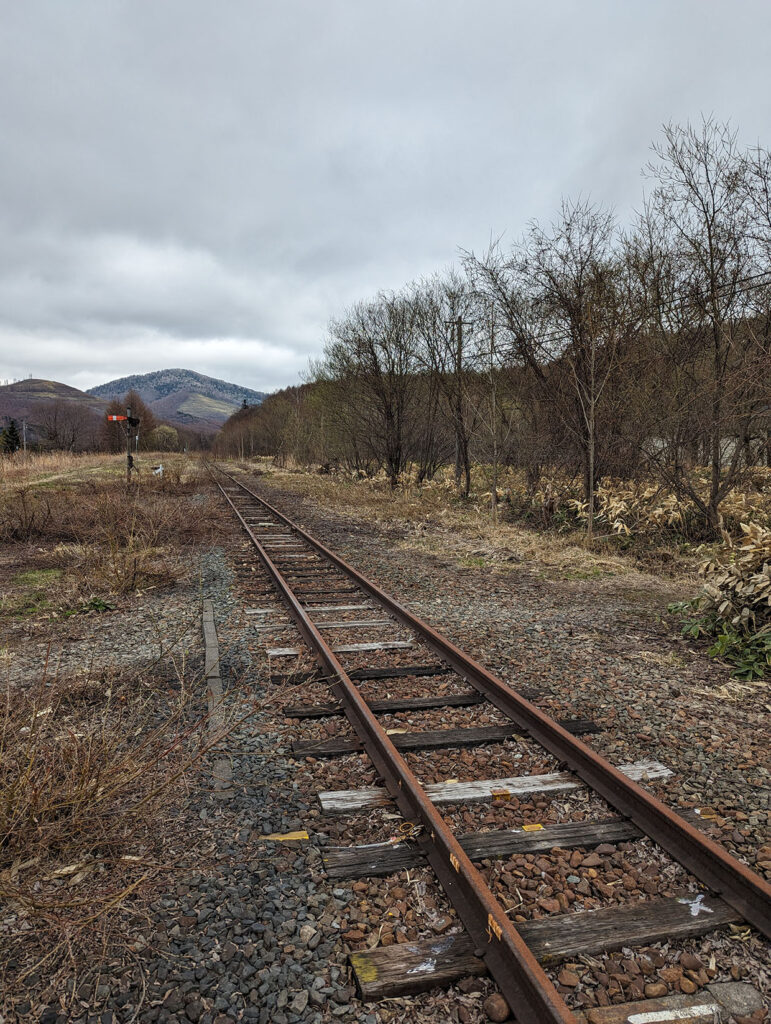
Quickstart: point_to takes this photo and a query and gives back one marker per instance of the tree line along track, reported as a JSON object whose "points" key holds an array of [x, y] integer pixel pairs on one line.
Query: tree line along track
{"points": [[320, 592]]}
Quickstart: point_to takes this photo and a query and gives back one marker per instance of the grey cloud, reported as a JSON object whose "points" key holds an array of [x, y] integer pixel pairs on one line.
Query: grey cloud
{"points": [[202, 184]]}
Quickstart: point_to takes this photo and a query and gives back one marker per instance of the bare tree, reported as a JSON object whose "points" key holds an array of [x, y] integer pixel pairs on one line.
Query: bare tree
{"points": [[579, 348], [446, 319], [699, 267], [372, 351], [757, 180], [562, 298], [64, 425], [497, 409]]}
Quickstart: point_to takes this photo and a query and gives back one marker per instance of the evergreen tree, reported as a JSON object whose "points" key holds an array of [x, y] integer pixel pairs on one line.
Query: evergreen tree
{"points": [[10, 438]]}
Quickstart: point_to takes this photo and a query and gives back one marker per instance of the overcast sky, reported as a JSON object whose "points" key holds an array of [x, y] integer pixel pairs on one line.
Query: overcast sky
{"points": [[203, 184]]}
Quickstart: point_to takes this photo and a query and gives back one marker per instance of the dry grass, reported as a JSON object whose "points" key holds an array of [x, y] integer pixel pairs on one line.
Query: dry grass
{"points": [[104, 539], [641, 509], [91, 764], [111, 539], [19, 469], [438, 523], [88, 770], [81, 767], [41, 470], [738, 590], [639, 527]]}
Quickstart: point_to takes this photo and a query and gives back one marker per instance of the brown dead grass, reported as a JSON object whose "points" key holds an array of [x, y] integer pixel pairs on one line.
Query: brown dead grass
{"points": [[82, 764], [91, 764], [86, 767], [107, 539], [20, 469], [89, 769], [64, 468], [640, 529], [437, 523]]}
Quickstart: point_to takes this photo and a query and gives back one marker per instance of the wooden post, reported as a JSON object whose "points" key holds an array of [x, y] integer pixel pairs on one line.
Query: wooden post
{"points": [[129, 460], [223, 772]]}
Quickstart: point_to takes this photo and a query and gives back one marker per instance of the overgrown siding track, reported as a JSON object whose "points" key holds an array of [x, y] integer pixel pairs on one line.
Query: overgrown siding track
{"points": [[343, 616]]}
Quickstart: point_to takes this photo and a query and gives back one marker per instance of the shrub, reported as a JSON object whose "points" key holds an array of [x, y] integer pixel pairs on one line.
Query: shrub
{"points": [[110, 539], [738, 592], [83, 769], [89, 768], [630, 508], [24, 514], [734, 607]]}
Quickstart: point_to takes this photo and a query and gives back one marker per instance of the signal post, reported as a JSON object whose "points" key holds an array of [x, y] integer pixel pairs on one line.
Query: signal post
{"points": [[129, 422]]}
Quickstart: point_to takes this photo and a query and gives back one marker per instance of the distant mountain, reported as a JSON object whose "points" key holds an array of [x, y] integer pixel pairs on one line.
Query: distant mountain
{"points": [[34, 390], [183, 397], [52, 411]]}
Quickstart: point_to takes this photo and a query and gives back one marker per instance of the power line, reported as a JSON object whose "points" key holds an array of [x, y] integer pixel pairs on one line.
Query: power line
{"points": [[740, 284]]}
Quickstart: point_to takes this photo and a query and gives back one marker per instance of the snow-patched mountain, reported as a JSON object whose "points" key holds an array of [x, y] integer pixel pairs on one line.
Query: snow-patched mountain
{"points": [[183, 397]]}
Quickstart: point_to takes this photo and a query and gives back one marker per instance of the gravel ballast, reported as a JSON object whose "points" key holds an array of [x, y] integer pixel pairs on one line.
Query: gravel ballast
{"points": [[250, 928]]}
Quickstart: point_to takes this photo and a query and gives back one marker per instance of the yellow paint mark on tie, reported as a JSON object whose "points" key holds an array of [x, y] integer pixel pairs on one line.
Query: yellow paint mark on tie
{"points": [[532, 828], [287, 837], [365, 969]]}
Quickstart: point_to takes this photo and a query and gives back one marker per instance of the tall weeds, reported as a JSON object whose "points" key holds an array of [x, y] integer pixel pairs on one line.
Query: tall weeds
{"points": [[110, 539], [88, 771], [734, 607], [75, 761]]}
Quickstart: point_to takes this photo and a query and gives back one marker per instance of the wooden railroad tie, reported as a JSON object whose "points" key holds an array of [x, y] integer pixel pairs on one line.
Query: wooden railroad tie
{"points": [[430, 739], [362, 674], [387, 858], [338, 607], [403, 969], [309, 572], [345, 801], [378, 645], [450, 700], [299, 554], [399, 671], [328, 594]]}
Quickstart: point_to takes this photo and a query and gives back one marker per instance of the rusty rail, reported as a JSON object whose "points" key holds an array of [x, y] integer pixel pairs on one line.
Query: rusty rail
{"points": [[713, 866], [518, 974]]}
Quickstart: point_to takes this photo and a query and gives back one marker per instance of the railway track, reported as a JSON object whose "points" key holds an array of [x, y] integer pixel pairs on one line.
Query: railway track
{"points": [[352, 635]]}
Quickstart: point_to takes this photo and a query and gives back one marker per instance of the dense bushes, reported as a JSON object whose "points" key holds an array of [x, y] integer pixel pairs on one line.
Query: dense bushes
{"points": [[107, 538], [734, 608]]}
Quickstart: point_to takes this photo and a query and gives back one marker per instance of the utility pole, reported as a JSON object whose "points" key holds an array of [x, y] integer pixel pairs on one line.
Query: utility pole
{"points": [[129, 460], [461, 446], [493, 415], [458, 395], [24, 434]]}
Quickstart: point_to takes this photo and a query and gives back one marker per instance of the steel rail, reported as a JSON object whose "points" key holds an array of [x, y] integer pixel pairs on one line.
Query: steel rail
{"points": [[737, 884], [525, 985]]}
